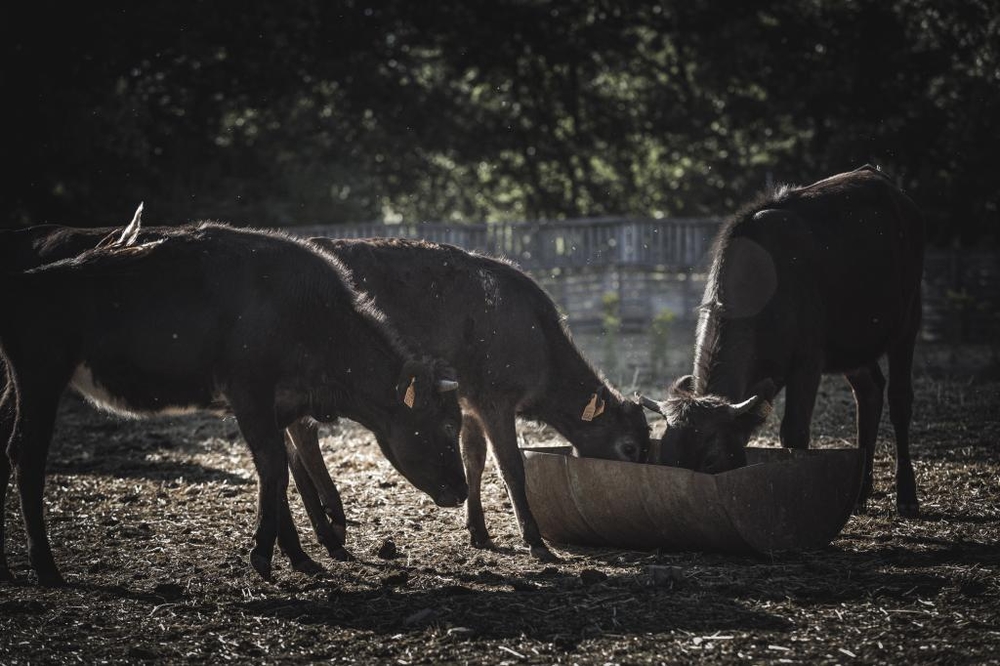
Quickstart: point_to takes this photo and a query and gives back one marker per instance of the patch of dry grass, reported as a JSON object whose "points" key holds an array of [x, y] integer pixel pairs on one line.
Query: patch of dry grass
{"points": [[150, 522]]}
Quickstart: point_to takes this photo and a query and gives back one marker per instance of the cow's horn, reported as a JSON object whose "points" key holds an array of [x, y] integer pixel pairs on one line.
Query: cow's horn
{"points": [[649, 403], [742, 408], [445, 385], [131, 232]]}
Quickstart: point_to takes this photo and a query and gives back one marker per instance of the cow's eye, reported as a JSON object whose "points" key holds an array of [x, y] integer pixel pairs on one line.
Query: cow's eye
{"points": [[450, 429]]}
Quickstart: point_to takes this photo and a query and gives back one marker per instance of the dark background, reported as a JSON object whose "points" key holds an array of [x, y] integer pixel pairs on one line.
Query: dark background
{"points": [[310, 112]]}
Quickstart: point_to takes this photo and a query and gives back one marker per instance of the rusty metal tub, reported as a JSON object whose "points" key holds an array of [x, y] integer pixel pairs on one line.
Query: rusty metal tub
{"points": [[782, 500]]}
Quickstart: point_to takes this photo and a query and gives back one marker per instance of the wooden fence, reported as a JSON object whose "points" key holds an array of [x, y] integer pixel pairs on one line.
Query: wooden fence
{"points": [[676, 245], [639, 269]]}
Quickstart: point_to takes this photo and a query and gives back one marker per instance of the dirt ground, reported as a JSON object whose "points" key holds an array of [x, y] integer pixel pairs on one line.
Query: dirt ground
{"points": [[150, 523]]}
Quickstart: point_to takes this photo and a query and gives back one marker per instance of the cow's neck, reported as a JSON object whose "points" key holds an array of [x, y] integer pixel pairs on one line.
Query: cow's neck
{"points": [[372, 391], [724, 353], [365, 386], [570, 388]]}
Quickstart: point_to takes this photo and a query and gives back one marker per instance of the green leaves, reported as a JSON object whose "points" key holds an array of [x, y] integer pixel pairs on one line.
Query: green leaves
{"points": [[337, 112]]}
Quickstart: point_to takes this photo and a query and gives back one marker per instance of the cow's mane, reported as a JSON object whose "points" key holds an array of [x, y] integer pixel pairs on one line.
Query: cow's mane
{"points": [[711, 309]]}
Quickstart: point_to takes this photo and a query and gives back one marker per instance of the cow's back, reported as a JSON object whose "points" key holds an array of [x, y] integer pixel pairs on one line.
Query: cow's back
{"points": [[164, 323], [22, 249], [848, 257], [485, 317]]}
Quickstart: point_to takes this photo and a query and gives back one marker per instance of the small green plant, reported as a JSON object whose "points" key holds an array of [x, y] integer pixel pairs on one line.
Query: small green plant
{"points": [[659, 341], [611, 323]]}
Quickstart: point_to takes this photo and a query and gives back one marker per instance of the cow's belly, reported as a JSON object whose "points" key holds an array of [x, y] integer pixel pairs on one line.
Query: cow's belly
{"points": [[137, 395]]}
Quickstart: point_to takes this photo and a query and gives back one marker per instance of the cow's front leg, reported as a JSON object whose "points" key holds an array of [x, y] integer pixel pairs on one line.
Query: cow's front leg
{"points": [[800, 398], [473, 441], [288, 541], [503, 436], [326, 534]]}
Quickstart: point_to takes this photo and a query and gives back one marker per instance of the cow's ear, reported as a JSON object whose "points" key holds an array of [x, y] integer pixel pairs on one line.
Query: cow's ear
{"points": [[413, 385], [593, 408], [683, 385], [409, 393]]}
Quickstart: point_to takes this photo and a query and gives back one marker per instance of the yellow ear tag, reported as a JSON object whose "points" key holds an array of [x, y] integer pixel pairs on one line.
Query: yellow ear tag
{"points": [[591, 409], [411, 394]]}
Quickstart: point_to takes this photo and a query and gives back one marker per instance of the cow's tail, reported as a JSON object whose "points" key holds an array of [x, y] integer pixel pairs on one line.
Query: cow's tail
{"points": [[11, 288], [17, 296]]}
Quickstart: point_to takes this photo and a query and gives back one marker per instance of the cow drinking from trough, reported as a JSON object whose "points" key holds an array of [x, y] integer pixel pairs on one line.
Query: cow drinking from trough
{"points": [[513, 355], [209, 316], [808, 280]]}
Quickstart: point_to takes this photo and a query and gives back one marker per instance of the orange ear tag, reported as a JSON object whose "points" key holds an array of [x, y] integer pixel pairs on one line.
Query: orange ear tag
{"points": [[591, 409], [411, 394]]}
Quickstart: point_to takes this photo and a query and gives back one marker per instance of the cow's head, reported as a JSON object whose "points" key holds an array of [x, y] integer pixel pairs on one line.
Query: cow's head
{"points": [[420, 435], [707, 433], [615, 429]]}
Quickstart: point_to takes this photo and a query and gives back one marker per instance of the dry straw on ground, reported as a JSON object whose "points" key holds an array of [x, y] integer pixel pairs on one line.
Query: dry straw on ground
{"points": [[150, 522]]}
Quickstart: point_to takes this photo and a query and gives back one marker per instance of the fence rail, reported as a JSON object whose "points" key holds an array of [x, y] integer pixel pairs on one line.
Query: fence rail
{"points": [[658, 265], [676, 244]]}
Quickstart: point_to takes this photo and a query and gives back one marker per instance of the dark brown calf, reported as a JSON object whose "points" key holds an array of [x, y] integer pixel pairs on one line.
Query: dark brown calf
{"points": [[514, 357]]}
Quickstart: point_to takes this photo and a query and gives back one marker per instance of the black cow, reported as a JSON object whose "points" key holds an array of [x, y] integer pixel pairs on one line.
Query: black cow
{"points": [[514, 357], [31, 247], [212, 317], [808, 280]]}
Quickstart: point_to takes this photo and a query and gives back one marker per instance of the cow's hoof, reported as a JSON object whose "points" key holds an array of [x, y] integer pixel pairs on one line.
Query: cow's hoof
{"points": [[309, 567], [543, 554], [341, 554], [482, 543], [51, 579], [908, 510], [339, 531], [262, 565]]}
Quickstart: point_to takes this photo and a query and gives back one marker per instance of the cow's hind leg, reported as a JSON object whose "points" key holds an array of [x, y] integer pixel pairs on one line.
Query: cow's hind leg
{"points": [[254, 414], [900, 413], [502, 432], [5, 575], [8, 408], [28, 452], [868, 386], [473, 441]]}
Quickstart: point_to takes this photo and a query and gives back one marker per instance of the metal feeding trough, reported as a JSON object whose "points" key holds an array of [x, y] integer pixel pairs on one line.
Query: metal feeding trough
{"points": [[783, 499]]}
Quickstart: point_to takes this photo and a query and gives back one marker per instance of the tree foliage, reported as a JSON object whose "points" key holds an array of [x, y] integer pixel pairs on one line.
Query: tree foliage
{"points": [[312, 112]]}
